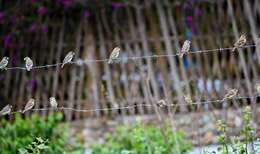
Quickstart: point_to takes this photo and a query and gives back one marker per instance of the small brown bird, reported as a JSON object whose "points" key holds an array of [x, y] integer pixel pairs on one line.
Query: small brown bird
{"points": [[114, 54], [68, 58], [28, 63], [4, 63], [6, 110], [161, 103], [53, 102], [185, 48], [29, 105], [230, 94], [188, 99], [240, 42]]}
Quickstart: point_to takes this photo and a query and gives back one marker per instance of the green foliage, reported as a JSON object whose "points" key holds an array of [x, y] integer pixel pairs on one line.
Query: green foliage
{"points": [[237, 146], [35, 147], [36, 132], [137, 139]]}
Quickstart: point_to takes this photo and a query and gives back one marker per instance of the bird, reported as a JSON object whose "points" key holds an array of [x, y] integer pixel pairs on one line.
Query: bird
{"points": [[114, 54], [53, 102], [240, 42], [29, 105], [28, 63], [230, 94], [68, 58], [6, 110], [4, 62], [185, 48], [161, 103], [188, 99], [258, 89]]}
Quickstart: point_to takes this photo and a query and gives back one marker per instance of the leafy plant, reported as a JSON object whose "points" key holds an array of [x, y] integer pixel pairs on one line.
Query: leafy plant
{"points": [[23, 133], [35, 147], [140, 139], [237, 146]]}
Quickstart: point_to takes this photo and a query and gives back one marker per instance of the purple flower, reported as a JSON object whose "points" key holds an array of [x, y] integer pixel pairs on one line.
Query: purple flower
{"points": [[8, 44], [27, 84], [33, 83], [2, 77], [13, 19], [6, 37], [45, 29], [58, 2], [116, 5], [2, 14], [193, 30], [188, 6], [27, 2], [86, 13], [126, 21], [189, 19], [68, 3], [15, 58], [33, 27], [42, 9], [197, 10]]}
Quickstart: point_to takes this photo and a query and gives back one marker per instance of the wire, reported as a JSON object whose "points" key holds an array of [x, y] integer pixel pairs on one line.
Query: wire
{"points": [[134, 106], [86, 61]]}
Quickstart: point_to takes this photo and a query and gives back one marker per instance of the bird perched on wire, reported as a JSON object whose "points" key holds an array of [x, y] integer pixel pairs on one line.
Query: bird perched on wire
{"points": [[28, 63], [114, 54], [4, 62], [161, 103], [68, 58], [188, 99], [53, 102], [185, 48], [29, 105], [240, 42], [6, 110], [230, 94]]}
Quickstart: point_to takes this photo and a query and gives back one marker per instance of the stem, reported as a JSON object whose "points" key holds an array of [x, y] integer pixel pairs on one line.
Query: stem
{"points": [[246, 135]]}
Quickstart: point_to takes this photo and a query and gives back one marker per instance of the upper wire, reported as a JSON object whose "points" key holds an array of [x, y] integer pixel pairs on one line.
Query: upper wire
{"points": [[87, 61]]}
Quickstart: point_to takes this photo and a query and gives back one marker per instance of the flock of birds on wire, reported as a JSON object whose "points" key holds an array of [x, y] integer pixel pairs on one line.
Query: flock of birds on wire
{"points": [[113, 56]]}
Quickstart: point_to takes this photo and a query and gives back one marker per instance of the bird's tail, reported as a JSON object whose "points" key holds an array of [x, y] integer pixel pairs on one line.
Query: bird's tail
{"points": [[23, 111], [62, 65], [110, 61]]}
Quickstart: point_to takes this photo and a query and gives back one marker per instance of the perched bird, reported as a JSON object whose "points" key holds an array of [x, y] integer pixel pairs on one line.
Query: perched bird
{"points": [[4, 63], [258, 89], [6, 110], [185, 48], [53, 102], [230, 94], [188, 99], [28, 63], [114, 54], [29, 105], [240, 42], [161, 103], [68, 58]]}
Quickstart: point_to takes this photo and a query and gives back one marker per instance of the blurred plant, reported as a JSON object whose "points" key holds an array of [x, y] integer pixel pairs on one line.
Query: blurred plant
{"points": [[222, 138], [22, 133], [133, 140], [238, 146], [35, 147]]}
